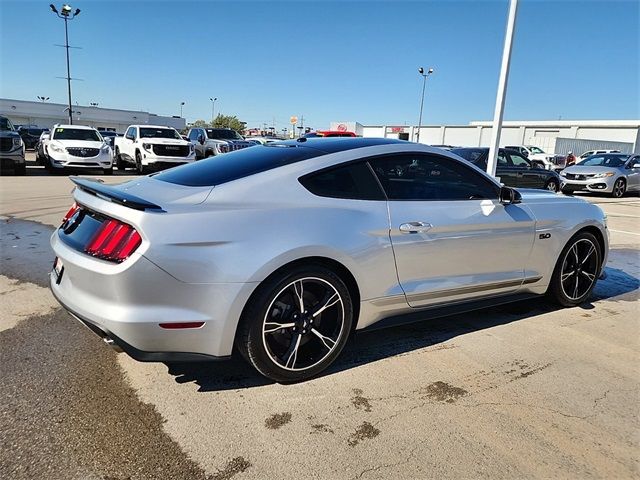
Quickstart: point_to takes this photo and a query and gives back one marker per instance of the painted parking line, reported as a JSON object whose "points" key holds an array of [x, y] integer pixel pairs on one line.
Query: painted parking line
{"points": [[622, 231]]}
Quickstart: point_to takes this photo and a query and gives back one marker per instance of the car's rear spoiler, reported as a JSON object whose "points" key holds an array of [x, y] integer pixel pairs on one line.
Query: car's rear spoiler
{"points": [[112, 194]]}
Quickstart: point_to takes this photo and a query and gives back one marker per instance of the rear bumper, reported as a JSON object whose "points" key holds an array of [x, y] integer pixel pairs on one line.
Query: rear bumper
{"points": [[127, 302]]}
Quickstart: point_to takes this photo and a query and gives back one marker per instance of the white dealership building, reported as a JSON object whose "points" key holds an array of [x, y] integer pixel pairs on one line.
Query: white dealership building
{"points": [[553, 136], [45, 114]]}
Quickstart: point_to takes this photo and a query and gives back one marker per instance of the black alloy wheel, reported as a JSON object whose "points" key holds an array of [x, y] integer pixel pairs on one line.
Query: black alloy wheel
{"points": [[296, 324], [576, 271]]}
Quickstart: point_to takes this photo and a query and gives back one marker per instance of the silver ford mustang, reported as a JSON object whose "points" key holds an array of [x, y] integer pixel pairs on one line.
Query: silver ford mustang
{"points": [[285, 249]]}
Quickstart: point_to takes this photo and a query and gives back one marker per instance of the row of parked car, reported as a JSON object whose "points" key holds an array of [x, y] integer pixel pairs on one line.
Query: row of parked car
{"points": [[150, 147]]}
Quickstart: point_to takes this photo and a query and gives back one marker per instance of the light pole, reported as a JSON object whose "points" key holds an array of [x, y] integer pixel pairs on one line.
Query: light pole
{"points": [[181, 105], [42, 98], [424, 84], [94, 104], [213, 108], [66, 15]]}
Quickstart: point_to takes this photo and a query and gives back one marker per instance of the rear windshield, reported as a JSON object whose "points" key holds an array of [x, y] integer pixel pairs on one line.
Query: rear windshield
{"points": [[232, 166], [76, 134]]}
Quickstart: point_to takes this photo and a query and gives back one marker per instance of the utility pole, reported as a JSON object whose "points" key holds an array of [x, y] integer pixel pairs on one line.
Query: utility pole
{"points": [[502, 90]]}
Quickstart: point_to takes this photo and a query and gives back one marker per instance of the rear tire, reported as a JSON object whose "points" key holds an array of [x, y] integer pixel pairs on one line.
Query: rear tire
{"points": [[209, 153], [289, 343], [577, 270], [120, 165], [567, 192]]}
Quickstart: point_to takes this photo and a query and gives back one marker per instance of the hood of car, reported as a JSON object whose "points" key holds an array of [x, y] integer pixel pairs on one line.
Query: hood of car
{"points": [[164, 141], [8, 134], [78, 143], [587, 170]]}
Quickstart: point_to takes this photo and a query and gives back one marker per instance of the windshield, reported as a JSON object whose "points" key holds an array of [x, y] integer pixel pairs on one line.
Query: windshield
{"points": [[536, 150], [605, 161], [160, 133], [76, 134], [223, 134], [5, 124]]}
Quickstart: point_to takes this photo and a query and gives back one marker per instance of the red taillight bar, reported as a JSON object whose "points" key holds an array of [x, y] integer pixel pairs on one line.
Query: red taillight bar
{"points": [[74, 208], [114, 241]]}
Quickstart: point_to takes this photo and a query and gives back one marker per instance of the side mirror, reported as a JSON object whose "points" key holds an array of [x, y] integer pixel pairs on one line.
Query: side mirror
{"points": [[509, 196], [201, 139], [129, 137], [635, 165]]}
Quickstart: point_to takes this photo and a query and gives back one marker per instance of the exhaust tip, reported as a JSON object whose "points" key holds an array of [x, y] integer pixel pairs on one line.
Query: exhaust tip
{"points": [[112, 344]]}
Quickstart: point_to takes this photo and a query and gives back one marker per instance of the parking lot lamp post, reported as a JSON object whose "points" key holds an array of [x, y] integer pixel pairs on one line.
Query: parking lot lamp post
{"points": [[213, 108], [424, 84], [66, 15], [181, 105], [43, 98]]}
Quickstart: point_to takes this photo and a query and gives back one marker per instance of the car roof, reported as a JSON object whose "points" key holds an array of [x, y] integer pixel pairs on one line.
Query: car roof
{"points": [[337, 144], [79, 127]]}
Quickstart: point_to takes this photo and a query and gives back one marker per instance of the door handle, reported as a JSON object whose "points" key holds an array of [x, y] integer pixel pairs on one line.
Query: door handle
{"points": [[415, 227]]}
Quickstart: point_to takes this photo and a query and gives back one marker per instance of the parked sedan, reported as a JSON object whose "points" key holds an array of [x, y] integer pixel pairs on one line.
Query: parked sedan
{"points": [[613, 173], [285, 249], [513, 168]]}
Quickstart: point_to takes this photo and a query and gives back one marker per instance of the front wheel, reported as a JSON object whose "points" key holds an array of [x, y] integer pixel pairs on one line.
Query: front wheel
{"points": [[619, 188], [139, 166], [576, 271], [296, 324], [552, 185]]}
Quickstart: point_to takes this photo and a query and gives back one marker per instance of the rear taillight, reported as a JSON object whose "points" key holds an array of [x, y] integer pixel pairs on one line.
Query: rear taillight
{"points": [[74, 208], [113, 241]]}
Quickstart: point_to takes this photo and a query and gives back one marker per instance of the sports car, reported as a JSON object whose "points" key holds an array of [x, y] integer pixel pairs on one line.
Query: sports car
{"points": [[283, 250]]}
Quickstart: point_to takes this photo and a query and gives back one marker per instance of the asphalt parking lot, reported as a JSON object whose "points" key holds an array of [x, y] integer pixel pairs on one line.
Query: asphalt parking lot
{"points": [[525, 390]]}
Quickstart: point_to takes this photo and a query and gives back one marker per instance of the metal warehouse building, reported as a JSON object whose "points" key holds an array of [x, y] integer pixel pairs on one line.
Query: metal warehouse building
{"points": [[555, 136], [45, 115]]}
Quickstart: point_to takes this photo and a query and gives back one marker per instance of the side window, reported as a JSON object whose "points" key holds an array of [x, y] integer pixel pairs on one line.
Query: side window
{"points": [[130, 132], [519, 161], [193, 134], [354, 181], [430, 177], [502, 160]]}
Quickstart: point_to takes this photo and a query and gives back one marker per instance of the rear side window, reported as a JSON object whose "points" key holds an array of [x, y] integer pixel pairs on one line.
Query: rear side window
{"points": [[354, 181], [235, 165]]}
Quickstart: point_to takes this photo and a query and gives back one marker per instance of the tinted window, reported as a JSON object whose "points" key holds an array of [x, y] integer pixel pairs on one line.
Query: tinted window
{"points": [[159, 133], [470, 154], [222, 134], [430, 177], [5, 124], [232, 166], [193, 135], [353, 181], [517, 160]]}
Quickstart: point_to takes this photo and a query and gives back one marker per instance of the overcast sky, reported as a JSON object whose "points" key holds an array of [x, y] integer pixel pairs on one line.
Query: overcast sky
{"points": [[330, 61]]}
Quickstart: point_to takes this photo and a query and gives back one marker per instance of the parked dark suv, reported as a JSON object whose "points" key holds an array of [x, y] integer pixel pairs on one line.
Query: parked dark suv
{"points": [[513, 169], [31, 135]]}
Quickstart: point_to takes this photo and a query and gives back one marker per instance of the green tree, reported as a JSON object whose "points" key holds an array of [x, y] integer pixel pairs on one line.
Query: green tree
{"points": [[229, 121]]}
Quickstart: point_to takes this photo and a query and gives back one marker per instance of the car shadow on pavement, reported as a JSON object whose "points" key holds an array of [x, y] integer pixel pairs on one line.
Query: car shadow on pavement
{"points": [[369, 346]]}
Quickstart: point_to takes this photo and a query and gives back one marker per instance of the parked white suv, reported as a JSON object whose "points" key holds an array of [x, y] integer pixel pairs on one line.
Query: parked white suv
{"points": [[145, 146], [214, 141], [76, 146], [537, 156]]}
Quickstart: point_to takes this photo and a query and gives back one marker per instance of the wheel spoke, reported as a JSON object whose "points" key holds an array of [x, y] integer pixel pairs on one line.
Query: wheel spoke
{"points": [[328, 342], [291, 354], [590, 276], [298, 287], [591, 250], [329, 301], [270, 327], [565, 276], [575, 290], [574, 250]]}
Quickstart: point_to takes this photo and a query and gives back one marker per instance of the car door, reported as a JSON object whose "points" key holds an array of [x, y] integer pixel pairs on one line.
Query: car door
{"points": [[452, 238], [526, 176], [127, 147], [504, 171], [633, 174]]}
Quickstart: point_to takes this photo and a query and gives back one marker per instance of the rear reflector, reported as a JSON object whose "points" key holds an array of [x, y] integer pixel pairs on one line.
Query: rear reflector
{"points": [[175, 326], [113, 241]]}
